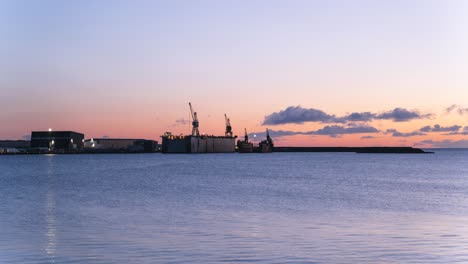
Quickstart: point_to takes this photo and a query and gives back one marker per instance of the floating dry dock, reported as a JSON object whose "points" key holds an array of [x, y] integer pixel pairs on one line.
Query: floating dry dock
{"points": [[197, 143]]}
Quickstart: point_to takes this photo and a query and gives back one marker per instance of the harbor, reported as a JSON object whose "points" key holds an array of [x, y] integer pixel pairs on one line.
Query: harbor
{"points": [[71, 142]]}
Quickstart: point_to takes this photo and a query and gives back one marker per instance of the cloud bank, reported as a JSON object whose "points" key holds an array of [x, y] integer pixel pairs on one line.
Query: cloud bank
{"points": [[438, 128], [300, 115], [396, 133], [445, 143], [331, 131], [451, 130]]}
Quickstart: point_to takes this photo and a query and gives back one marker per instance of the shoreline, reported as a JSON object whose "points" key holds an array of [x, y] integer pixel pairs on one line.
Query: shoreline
{"points": [[357, 150]]}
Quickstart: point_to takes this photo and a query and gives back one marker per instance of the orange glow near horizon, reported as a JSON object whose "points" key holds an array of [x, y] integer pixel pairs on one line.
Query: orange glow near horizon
{"points": [[129, 70]]}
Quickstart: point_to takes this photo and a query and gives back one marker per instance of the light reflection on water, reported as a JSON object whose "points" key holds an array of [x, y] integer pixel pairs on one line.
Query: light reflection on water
{"points": [[51, 229], [279, 208]]}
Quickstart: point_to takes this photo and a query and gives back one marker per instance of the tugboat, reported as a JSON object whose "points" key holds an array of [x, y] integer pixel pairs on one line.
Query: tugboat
{"points": [[244, 146], [265, 146]]}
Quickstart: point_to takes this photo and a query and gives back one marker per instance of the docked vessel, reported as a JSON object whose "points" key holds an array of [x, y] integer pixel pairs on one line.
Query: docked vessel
{"points": [[265, 146], [244, 146], [196, 143]]}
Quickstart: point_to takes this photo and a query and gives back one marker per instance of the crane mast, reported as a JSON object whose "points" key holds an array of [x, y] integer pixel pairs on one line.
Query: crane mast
{"points": [[228, 132], [195, 131], [270, 141]]}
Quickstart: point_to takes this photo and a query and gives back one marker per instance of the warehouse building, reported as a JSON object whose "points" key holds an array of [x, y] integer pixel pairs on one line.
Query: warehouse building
{"points": [[120, 145], [57, 140], [14, 146]]}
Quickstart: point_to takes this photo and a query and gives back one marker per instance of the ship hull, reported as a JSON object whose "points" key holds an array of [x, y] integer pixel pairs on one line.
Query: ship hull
{"points": [[245, 147]]}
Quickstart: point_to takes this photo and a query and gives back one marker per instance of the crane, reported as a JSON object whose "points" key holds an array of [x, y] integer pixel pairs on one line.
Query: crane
{"points": [[269, 140], [228, 132], [195, 131]]}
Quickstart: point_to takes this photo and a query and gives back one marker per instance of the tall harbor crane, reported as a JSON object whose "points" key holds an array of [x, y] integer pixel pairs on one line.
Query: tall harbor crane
{"points": [[228, 132], [195, 131]]}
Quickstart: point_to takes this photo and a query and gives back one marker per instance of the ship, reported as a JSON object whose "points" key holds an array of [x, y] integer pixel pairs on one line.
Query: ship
{"points": [[265, 146], [197, 143], [244, 146]]}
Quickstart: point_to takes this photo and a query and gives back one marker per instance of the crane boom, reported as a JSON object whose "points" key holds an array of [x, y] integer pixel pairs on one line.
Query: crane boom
{"points": [[191, 110], [195, 131]]}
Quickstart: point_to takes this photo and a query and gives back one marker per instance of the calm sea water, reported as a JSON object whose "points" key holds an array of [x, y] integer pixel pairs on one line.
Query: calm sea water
{"points": [[234, 208]]}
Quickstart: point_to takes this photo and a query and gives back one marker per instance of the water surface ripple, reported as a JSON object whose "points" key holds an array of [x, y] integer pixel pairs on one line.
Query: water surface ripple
{"points": [[233, 208]]}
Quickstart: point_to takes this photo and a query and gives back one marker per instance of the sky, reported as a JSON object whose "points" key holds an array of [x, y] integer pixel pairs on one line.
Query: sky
{"points": [[316, 73]]}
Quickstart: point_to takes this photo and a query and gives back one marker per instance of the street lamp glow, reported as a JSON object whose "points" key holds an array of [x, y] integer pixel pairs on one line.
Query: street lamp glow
{"points": [[50, 129]]}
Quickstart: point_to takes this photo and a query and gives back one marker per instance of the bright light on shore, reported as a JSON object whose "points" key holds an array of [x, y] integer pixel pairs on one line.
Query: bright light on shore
{"points": [[50, 129]]}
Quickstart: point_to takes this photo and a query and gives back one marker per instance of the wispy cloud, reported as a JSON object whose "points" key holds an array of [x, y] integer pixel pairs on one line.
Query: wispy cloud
{"points": [[331, 131], [464, 132], [457, 109], [396, 133], [445, 143], [299, 115], [439, 128], [334, 131], [453, 130], [182, 121]]}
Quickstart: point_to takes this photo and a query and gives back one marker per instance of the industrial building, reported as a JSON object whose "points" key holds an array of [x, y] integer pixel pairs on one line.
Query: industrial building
{"points": [[18, 144], [14, 146], [120, 145], [57, 140]]}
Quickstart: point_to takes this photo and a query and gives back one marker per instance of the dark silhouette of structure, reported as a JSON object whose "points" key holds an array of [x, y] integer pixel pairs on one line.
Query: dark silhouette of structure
{"points": [[57, 140]]}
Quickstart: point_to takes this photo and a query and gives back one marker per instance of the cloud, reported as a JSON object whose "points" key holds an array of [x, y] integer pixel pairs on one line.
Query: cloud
{"points": [[438, 128], [182, 121], [464, 132], [275, 133], [334, 131], [402, 115], [445, 143], [457, 108], [367, 137], [424, 130], [396, 133], [331, 131], [358, 117], [299, 115]]}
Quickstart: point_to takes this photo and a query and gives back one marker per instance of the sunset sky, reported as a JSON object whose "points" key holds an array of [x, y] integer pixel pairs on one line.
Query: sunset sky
{"points": [[317, 73]]}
